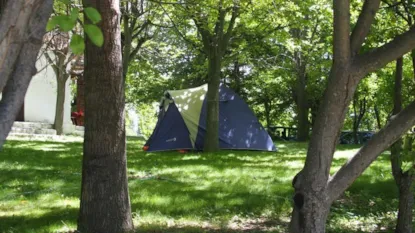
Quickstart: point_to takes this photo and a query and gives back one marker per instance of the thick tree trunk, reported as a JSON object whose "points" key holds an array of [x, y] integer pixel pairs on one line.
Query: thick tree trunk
{"points": [[105, 204], [212, 97], [406, 204], [26, 24], [311, 200], [309, 214], [60, 102]]}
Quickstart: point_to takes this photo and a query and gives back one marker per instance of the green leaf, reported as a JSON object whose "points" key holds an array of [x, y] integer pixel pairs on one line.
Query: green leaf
{"points": [[74, 14], [92, 14], [95, 34], [77, 44], [52, 23], [64, 21]]}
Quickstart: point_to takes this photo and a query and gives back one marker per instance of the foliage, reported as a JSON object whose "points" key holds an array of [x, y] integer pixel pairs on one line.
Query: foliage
{"points": [[68, 19], [407, 158], [147, 118]]}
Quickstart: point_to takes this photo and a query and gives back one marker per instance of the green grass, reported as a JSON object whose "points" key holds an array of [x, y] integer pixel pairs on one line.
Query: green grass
{"points": [[232, 191]]}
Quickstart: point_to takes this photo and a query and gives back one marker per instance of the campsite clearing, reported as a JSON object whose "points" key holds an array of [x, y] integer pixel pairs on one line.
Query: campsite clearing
{"points": [[232, 191]]}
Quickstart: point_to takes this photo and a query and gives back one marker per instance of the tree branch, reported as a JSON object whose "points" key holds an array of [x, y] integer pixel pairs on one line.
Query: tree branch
{"points": [[362, 28], [395, 7], [382, 140], [341, 33], [206, 36], [381, 56], [220, 22], [140, 43], [140, 29], [178, 30], [231, 26]]}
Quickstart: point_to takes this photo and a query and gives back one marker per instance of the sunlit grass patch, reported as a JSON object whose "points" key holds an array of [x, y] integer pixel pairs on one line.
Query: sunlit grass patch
{"points": [[231, 191]]}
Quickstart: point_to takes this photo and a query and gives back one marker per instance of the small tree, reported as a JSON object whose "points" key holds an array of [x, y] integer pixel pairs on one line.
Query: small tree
{"points": [[215, 42], [57, 43]]}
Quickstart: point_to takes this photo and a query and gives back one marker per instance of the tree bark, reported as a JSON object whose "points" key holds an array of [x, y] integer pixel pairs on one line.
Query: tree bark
{"points": [[236, 74], [214, 46], [413, 62], [377, 116], [310, 212], [59, 65], [17, 69], [212, 97], [403, 179], [2, 6], [358, 116], [267, 108], [60, 103], [406, 204], [302, 107], [105, 203], [315, 190]]}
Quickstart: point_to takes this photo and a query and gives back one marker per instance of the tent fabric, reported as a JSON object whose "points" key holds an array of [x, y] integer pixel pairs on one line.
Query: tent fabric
{"points": [[170, 132], [189, 102], [182, 122]]}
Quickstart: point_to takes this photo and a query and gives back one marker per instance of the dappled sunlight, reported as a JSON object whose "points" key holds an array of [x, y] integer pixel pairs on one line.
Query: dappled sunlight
{"points": [[190, 192], [192, 157], [345, 154]]}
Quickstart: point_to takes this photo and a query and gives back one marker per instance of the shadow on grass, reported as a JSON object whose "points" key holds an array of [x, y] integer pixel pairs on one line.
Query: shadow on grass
{"points": [[198, 192], [51, 221]]}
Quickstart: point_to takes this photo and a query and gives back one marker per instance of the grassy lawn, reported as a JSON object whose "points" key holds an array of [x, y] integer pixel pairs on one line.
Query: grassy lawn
{"points": [[232, 191]]}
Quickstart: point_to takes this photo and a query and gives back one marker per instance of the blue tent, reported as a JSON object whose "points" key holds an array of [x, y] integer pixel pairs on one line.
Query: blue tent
{"points": [[182, 122]]}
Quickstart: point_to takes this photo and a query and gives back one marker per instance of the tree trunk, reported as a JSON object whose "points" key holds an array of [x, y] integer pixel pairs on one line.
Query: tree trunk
{"points": [[2, 5], [403, 179], [237, 78], [212, 97], [315, 188], [397, 95], [358, 116], [127, 43], [105, 203], [406, 204], [355, 124], [302, 107], [377, 115], [311, 203], [60, 102], [17, 69], [267, 113], [310, 210], [413, 62], [214, 46]]}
